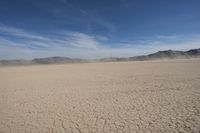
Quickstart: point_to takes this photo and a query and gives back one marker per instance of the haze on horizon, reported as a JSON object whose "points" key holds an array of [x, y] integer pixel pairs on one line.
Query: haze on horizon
{"points": [[96, 28]]}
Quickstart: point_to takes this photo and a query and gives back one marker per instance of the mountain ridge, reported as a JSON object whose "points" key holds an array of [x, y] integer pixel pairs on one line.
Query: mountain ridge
{"points": [[166, 54]]}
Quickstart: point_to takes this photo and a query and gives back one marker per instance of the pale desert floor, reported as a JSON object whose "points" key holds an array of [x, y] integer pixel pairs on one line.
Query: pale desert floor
{"points": [[151, 96]]}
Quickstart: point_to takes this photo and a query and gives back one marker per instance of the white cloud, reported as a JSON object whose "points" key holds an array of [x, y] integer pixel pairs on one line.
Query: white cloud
{"points": [[10, 43], [108, 25], [81, 45], [65, 39], [102, 38], [82, 40], [167, 37], [20, 33]]}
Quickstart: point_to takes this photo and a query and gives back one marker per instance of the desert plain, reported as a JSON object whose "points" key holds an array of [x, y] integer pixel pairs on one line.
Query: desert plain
{"points": [[113, 97]]}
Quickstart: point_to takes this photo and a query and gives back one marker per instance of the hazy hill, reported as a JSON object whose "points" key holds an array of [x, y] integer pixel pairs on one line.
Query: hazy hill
{"points": [[15, 62], [168, 54], [56, 59]]}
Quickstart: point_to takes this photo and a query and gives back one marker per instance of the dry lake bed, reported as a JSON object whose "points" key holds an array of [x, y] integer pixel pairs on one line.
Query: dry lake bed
{"points": [[116, 97]]}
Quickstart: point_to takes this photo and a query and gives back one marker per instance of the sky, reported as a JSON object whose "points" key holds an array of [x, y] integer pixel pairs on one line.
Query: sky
{"points": [[96, 28]]}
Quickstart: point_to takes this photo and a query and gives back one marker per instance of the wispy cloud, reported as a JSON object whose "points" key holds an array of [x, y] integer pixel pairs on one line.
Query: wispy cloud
{"points": [[82, 40], [167, 37], [84, 17], [105, 23], [27, 39], [20, 43], [11, 31]]}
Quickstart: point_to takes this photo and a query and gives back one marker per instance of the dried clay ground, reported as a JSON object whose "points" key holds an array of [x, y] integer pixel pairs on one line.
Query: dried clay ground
{"points": [[121, 97]]}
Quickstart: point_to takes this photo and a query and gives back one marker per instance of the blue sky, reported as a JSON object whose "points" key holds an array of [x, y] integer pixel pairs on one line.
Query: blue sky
{"points": [[96, 28]]}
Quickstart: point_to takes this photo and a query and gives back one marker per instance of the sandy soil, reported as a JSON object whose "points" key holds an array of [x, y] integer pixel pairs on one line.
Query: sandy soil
{"points": [[154, 96]]}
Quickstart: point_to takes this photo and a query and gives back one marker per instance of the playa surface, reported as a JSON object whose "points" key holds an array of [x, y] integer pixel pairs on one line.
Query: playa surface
{"points": [[126, 97]]}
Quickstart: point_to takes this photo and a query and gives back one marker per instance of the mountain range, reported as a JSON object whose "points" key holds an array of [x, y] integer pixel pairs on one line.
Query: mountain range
{"points": [[167, 54]]}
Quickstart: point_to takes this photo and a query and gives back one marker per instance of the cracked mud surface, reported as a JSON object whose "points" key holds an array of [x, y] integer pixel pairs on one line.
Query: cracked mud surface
{"points": [[126, 97]]}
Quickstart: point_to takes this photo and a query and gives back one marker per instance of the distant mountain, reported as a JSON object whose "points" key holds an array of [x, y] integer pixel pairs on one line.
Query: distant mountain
{"points": [[113, 59], [15, 62], [56, 59], [193, 52], [168, 54], [49, 60]]}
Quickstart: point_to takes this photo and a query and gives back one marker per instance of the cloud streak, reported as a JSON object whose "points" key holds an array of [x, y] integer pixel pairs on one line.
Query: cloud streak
{"points": [[20, 43], [64, 39], [86, 18], [11, 31], [81, 40]]}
